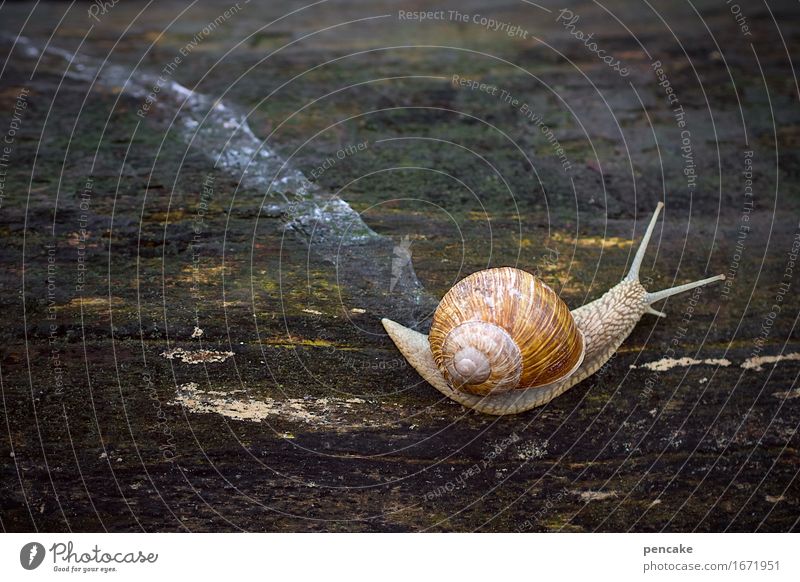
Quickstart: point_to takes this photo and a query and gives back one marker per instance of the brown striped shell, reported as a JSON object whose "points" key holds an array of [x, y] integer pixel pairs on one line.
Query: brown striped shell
{"points": [[503, 329]]}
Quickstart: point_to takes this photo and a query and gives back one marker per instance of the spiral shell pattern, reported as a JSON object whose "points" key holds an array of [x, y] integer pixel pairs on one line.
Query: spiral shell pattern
{"points": [[503, 329]]}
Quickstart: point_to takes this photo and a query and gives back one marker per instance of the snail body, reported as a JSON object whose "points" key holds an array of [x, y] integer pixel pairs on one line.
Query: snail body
{"points": [[503, 342]]}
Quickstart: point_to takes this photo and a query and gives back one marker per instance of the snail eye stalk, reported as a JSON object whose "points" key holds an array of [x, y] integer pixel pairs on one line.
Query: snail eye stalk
{"points": [[659, 295], [633, 274]]}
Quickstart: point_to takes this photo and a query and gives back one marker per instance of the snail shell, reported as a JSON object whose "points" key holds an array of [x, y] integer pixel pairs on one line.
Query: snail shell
{"points": [[502, 342], [503, 329]]}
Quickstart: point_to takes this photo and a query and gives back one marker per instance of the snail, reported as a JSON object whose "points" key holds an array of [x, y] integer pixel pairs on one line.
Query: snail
{"points": [[503, 342]]}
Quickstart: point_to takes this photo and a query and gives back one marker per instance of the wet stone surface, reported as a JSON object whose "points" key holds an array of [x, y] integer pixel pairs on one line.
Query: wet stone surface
{"points": [[193, 278]]}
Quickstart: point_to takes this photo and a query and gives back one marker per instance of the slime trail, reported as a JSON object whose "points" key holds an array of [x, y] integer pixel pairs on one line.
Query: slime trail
{"points": [[326, 223]]}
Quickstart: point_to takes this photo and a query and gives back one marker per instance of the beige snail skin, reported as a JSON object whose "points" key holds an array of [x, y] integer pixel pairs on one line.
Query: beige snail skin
{"points": [[503, 342]]}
